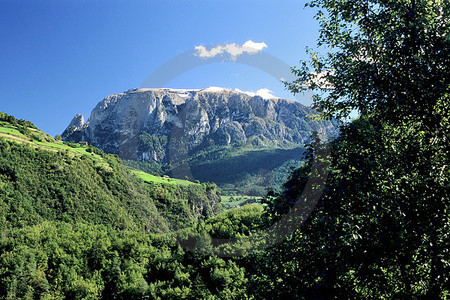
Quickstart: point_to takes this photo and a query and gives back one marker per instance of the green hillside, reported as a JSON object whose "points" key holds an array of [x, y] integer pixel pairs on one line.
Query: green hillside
{"points": [[26, 133], [77, 224], [46, 179]]}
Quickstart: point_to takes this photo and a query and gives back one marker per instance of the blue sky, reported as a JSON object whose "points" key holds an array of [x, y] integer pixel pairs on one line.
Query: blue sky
{"points": [[61, 57]]}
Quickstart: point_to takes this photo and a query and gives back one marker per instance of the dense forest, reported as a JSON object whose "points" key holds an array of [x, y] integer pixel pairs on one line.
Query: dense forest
{"points": [[367, 215]]}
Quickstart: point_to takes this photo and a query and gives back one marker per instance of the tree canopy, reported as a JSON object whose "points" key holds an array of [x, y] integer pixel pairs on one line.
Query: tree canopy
{"points": [[381, 226], [386, 57]]}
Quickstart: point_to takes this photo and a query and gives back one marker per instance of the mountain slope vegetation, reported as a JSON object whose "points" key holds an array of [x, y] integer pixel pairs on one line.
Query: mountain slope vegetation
{"points": [[76, 223], [46, 179]]}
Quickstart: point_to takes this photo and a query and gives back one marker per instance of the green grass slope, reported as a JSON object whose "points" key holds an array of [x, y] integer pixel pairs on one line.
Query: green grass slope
{"points": [[158, 179]]}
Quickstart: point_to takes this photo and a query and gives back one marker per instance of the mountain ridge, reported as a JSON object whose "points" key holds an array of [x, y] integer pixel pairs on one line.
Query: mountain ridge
{"points": [[168, 127]]}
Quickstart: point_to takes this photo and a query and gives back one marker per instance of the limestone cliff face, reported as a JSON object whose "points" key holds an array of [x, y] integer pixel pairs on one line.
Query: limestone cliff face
{"points": [[166, 125]]}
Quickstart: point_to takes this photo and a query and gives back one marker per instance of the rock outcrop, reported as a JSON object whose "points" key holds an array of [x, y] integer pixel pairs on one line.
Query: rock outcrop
{"points": [[167, 125]]}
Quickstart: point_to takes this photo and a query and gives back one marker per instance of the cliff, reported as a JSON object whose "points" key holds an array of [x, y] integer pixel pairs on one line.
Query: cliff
{"points": [[169, 127]]}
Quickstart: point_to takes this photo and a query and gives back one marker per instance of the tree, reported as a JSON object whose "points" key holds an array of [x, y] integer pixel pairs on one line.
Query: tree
{"points": [[389, 58], [381, 226]]}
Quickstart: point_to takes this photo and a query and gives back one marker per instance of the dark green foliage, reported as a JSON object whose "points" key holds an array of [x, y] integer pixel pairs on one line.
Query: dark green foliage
{"points": [[37, 184], [235, 222], [56, 260], [185, 205], [381, 226], [77, 226], [153, 143], [389, 58], [243, 170]]}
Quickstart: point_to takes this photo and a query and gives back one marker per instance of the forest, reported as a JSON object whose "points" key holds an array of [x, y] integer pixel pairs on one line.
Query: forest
{"points": [[367, 215]]}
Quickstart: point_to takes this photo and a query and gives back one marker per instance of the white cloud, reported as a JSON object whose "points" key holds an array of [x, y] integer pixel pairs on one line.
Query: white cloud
{"points": [[214, 89], [263, 93], [252, 46], [234, 50]]}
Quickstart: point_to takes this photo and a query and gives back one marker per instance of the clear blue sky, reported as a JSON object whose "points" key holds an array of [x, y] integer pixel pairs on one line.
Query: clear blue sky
{"points": [[61, 57]]}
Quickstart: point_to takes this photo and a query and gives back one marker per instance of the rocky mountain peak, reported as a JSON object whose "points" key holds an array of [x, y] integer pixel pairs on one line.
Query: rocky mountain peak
{"points": [[77, 122], [166, 125]]}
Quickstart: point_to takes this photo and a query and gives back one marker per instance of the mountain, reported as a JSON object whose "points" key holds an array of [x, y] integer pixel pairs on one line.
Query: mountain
{"points": [[213, 134]]}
